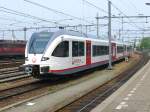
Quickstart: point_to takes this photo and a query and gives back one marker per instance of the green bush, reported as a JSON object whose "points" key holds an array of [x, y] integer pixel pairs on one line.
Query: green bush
{"points": [[145, 43]]}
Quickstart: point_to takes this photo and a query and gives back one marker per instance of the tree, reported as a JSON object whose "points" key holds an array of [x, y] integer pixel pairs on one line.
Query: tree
{"points": [[145, 43]]}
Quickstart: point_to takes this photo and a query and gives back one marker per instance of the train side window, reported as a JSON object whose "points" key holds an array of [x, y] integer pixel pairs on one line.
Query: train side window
{"points": [[77, 48], [74, 48], [128, 48], [94, 50], [62, 50], [81, 49], [120, 49], [100, 50], [124, 47]]}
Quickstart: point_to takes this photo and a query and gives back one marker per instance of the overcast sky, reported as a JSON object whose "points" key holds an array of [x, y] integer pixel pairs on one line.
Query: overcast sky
{"points": [[78, 8]]}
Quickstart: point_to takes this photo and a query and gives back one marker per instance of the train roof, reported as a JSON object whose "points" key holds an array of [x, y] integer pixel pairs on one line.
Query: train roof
{"points": [[55, 34], [63, 32]]}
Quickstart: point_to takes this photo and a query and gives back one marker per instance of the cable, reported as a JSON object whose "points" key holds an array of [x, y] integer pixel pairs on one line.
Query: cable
{"points": [[8, 19], [79, 25], [99, 8], [125, 15], [56, 11], [23, 14], [10, 11], [129, 3], [18, 21], [95, 6]]}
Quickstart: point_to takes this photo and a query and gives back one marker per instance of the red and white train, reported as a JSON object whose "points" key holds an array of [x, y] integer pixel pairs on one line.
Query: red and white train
{"points": [[65, 52]]}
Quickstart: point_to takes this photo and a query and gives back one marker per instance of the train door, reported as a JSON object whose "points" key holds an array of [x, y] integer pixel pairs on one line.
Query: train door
{"points": [[113, 46], [88, 52]]}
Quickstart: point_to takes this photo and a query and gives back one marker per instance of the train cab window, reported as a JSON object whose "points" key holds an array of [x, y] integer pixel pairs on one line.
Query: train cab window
{"points": [[62, 50], [77, 48], [39, 42]]}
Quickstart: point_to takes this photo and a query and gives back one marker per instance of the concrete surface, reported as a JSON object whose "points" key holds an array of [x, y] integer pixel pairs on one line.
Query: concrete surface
{"points": [[134, 96], [54, 101]]}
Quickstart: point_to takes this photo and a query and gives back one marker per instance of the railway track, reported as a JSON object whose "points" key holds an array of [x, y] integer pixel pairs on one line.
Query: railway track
{"points": [[95, 97], [10, 92], [6, 94], [10, 74], [8, 64], [9, 70], [16, 92]]}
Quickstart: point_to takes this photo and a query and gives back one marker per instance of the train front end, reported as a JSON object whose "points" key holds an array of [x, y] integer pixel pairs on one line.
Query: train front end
{"points": [[35, 62]]}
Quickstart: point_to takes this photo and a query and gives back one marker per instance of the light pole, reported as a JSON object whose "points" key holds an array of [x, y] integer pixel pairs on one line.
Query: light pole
{"points": [[97, 25], [25, 33], [109, 35], [3, 35], [122, 29]]}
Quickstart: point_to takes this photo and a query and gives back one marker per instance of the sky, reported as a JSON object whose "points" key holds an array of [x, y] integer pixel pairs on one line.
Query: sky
{"points": [[77, 8]]}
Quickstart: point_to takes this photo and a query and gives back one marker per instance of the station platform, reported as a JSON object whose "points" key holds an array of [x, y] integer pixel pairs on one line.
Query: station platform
{"points": [[133, 96]]}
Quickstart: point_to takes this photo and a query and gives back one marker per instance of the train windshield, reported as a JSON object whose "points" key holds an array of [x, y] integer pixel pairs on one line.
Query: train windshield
{"points": [[39, 43]]}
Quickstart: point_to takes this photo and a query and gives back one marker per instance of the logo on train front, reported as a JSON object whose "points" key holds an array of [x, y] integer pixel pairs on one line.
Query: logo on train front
{"points": [[33, 59]]}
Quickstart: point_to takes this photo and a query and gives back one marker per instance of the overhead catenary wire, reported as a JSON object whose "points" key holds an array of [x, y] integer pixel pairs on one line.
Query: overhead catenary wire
{"points": [[131, 3], [131, 22], [10, 11], [137, 30], [102, 10], [16, 21], [20, 29], [10, 19], [56, 11], [10, 25], [14, 12]]}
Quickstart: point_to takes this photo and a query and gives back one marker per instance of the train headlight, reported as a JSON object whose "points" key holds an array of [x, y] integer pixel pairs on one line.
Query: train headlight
{"points": [[44, 59], [28, 70]]}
